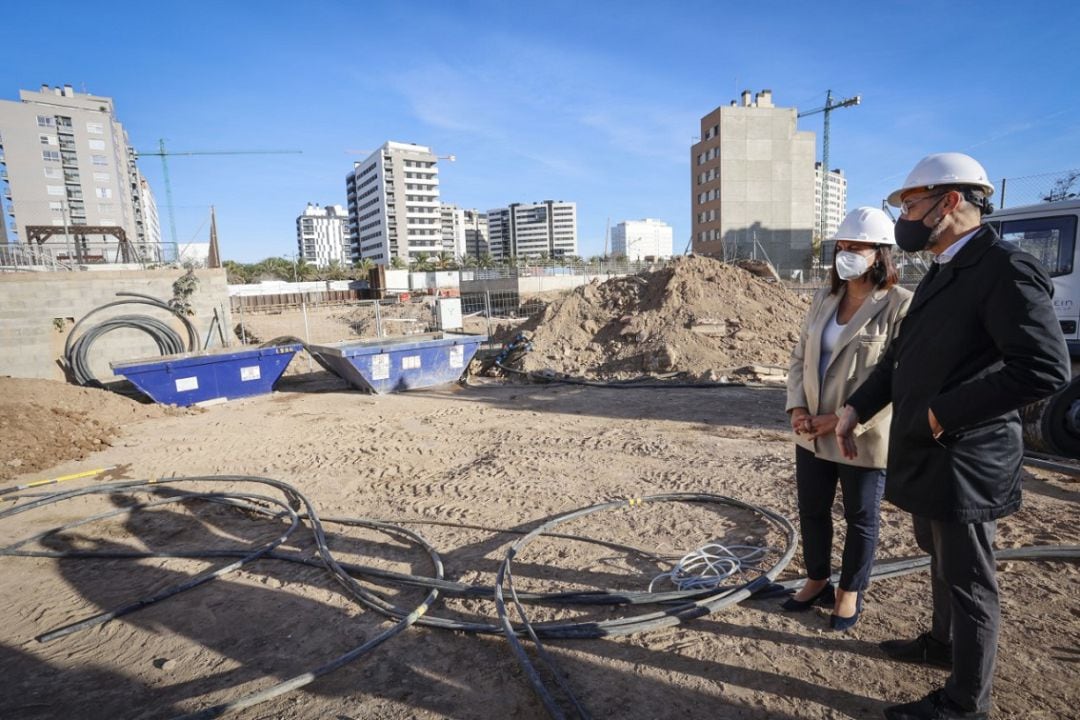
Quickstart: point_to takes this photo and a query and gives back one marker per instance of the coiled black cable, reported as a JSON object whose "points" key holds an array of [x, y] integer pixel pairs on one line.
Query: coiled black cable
{"points": [[77, 347]]}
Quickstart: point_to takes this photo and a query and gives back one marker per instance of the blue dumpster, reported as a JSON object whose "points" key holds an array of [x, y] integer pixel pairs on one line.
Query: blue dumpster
{"points": [[192, 378], [387, 365]]}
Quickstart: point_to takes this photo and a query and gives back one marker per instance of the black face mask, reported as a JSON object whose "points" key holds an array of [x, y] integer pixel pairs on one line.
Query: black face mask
{"points": [[911, 235]]}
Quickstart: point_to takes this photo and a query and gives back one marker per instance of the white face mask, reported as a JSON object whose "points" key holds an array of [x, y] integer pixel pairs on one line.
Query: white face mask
{"points": [[850, 265]]}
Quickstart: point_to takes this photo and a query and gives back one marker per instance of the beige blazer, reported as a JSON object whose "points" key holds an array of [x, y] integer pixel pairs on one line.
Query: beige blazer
{"points": [[859, 347]]}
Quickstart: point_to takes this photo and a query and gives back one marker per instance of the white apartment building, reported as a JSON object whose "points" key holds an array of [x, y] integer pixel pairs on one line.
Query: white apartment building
{"points": [[322, 235], [453, 230], [837, 200], [642, 239], [547, 228], [394, 208], [68, 173]]}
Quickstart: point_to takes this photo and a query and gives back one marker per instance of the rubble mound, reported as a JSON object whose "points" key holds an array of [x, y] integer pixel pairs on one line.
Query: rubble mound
{"points": [[697, 316], [45, 422]]}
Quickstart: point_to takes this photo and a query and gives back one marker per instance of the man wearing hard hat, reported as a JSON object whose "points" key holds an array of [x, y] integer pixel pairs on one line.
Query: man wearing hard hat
{"points": [[980, 340]]}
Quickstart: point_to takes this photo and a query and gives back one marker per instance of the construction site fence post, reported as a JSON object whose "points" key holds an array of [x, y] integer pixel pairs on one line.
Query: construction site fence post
{"points": [[487, 312], [378, 320], [307, 330], [243, 328]]}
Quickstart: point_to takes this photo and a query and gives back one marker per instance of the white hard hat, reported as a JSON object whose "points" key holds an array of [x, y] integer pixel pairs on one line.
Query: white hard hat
{"points": [[868, 225], [950, 168]]}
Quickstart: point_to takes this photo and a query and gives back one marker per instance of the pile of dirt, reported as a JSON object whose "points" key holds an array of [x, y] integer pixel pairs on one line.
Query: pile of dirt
{"points": [[696, 316], [45, 423]]}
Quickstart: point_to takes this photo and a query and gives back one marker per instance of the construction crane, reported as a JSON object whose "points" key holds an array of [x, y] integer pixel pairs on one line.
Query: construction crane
{"points": [[827, 110], [163, 154]]}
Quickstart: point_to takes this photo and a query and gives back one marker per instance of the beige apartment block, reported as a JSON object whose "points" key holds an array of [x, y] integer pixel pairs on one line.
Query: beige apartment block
{"points": [[752, 184]]}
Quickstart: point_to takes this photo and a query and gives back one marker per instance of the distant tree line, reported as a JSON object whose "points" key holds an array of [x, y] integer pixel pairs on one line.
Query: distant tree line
{"points": [[282, 268]]}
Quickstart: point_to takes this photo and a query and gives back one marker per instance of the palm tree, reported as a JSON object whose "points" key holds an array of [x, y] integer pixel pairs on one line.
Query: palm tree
{"points": [[445, 261], [487, 261], [421, 263], [236, 273], [334, 271], [398, 263], [303, 271], [362, 268]]}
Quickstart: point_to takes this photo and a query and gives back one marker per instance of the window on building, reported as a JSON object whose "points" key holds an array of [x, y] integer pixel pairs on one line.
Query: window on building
{"points": [[101, 177], [50, 155], [55, 189], [56, 205], [95, 128], [97, 144], [106, 207], [53, 173], [45, 121], [103, 192], [99, 159]]}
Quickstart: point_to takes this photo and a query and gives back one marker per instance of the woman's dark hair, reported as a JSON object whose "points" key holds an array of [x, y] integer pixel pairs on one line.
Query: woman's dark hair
{"points": [[882, 273]]}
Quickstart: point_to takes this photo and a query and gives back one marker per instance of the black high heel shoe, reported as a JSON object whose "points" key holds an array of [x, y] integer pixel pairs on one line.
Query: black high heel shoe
{"points": [[846, 623], [825, 596]]}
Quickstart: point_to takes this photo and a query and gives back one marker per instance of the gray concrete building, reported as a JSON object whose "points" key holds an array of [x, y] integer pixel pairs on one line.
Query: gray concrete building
{"points": [[322, 235], [393, 199], [543, 229], [477, 237], [67, 164], [752, 184]]}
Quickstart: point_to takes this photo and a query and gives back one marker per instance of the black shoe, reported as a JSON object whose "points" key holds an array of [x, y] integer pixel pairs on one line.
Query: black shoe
{"points": [[825, 596], [846, 623], [924, 650], [935, 706]]}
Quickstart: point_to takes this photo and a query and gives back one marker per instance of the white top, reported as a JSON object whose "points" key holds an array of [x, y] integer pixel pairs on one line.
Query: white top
{"points": [[950, 252], [829, 336]]}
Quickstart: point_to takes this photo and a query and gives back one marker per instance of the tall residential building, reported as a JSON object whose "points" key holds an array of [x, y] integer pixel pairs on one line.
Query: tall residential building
{"points": [[322, 235], [752, 183], [394, 208], [642, 239], [68, 162], [453, 229], [837, 200], [477, 240], [547, 228]]}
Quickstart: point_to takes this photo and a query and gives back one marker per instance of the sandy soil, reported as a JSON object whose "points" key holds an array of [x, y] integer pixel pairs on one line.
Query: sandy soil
{"points": [[459, 464]]}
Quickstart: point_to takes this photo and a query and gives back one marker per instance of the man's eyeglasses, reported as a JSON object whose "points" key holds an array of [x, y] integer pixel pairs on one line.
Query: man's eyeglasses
{"points": [[907, 206]]}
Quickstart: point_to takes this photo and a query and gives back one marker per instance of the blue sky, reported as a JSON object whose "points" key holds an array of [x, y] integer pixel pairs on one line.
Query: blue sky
{"points": [[593, 102]]}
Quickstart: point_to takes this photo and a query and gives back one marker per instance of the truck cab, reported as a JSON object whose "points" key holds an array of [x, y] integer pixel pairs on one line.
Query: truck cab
{"points": [[1048, 231]]}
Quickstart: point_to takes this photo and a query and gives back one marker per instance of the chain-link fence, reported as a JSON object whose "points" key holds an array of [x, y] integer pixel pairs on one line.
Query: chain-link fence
{"points": [[1031, 189], [496, 315]]}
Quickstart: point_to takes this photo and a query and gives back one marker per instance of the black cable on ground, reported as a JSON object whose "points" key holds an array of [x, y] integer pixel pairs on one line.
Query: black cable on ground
{"points": [[675, 607]]}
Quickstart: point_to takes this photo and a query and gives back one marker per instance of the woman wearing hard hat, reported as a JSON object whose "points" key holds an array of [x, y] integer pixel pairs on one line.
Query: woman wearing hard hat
{"points": [[849, 325]]}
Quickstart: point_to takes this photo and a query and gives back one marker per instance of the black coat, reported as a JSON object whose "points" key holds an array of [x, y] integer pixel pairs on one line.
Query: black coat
{"points": [[980, 340]]}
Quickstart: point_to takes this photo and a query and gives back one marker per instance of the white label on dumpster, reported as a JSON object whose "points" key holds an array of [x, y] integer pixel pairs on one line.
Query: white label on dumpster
{"points": [[184, 384], [249, 373], [457, 356], [380, 367], [410, 362]]}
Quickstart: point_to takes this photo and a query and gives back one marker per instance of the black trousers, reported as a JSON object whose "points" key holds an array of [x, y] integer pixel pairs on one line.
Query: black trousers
{"points": [[861, 489], [967, 609]]}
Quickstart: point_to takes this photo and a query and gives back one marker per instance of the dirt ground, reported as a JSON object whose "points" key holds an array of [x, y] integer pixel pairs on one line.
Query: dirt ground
{"points": [[463, 466]]}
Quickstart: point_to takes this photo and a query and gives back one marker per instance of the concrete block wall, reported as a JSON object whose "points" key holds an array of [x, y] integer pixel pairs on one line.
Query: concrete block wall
{"points": [[38, 311]]}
